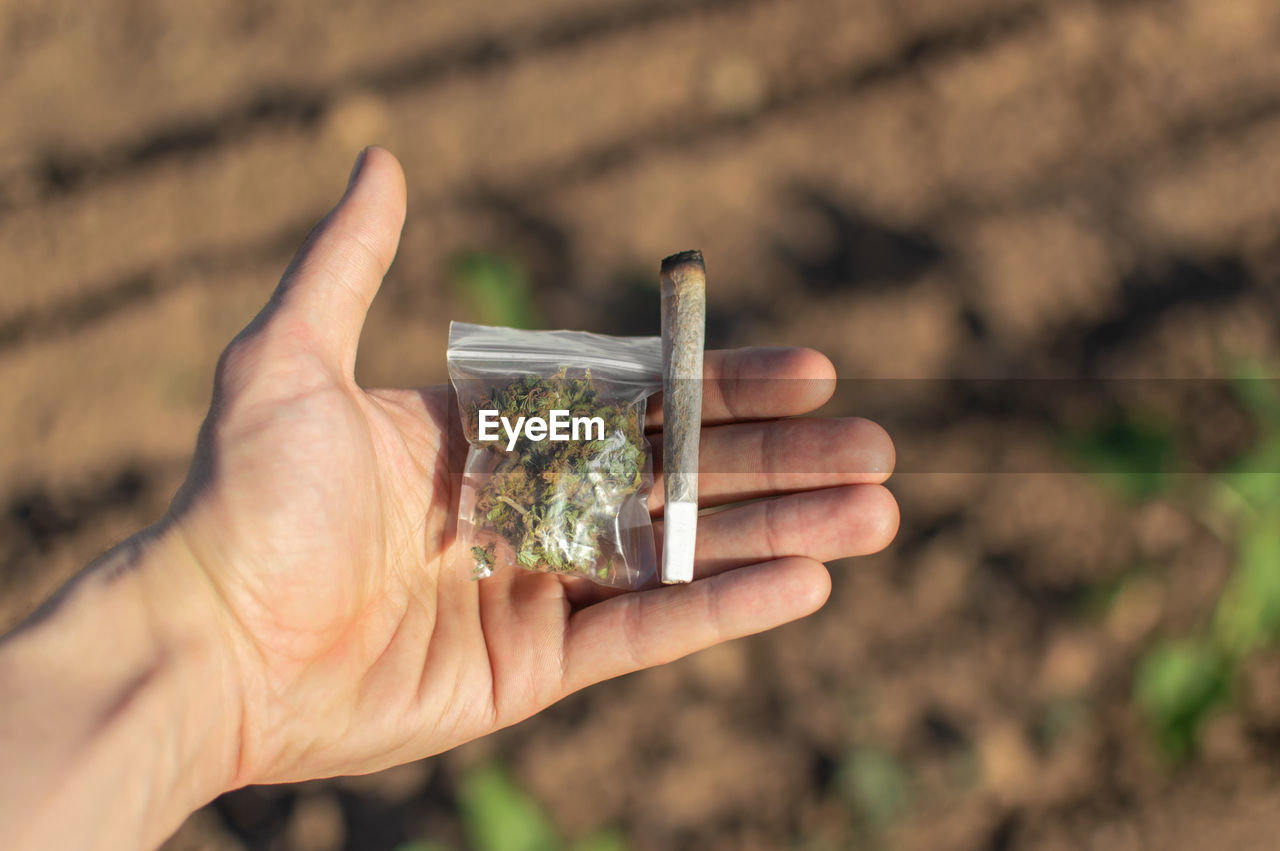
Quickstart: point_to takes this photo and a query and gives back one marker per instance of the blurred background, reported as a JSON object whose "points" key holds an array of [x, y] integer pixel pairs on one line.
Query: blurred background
{"points": [[1071, 644]]}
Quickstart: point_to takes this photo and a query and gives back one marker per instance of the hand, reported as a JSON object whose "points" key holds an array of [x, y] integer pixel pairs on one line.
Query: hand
{"points": [[322, 516]]}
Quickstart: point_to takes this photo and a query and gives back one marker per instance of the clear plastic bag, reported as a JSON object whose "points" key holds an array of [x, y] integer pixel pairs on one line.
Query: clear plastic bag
{"points": [[558, 469]]}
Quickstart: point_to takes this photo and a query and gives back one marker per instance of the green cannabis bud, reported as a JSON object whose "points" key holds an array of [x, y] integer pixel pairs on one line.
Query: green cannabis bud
{"points": [[554, 501]]}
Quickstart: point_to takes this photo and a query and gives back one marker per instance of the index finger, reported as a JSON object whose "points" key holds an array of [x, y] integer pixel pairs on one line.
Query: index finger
{"points": [[758, 383]]}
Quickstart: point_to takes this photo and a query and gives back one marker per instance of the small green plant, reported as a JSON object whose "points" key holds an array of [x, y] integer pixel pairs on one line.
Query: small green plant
{"points": [[1130, 455], [1178, 683], [494, 287], [1248, 613], [500, 816], [875, 783], [609, 839], [421, 845], [1176, 686]]}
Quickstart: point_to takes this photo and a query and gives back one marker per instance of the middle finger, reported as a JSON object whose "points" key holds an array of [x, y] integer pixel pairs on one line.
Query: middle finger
{"points": [[750, 460]]}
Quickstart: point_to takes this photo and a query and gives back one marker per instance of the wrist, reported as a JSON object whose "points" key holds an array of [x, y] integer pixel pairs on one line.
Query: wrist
{"points": [[124, 710], [201, 683]]}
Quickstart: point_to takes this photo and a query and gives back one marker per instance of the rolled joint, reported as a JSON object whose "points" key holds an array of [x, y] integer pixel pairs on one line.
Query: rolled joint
{"points": [[683, 279]]}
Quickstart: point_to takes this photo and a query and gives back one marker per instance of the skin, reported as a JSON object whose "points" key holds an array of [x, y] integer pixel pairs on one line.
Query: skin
{"points": [[298, 613]]}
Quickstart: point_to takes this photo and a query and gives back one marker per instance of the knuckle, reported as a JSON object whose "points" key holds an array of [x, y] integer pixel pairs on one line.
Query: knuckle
{"points": [[266, 362], [633, 632], [347, 262], [240, 360], [772, 527]]}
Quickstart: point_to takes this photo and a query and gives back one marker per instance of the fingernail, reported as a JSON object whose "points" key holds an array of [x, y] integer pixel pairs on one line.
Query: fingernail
{"points": [[355, 169]]}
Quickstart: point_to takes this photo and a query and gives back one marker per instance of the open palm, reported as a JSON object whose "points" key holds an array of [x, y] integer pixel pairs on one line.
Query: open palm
{"points": [[323, 517]]}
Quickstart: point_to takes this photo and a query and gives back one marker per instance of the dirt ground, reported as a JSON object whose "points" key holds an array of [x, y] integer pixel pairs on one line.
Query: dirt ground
{"points": [[930, 189]]}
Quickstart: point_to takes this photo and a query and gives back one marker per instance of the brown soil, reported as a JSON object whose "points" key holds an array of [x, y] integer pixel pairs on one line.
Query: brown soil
{"points": [[932, 189]]}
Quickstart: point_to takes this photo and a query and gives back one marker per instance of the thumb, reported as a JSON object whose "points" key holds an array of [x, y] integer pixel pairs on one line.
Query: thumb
{"points": [[325, 294]]}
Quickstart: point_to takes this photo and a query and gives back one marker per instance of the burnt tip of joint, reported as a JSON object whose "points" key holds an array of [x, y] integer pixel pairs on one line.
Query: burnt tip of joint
{"points": [[681, 258]]}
